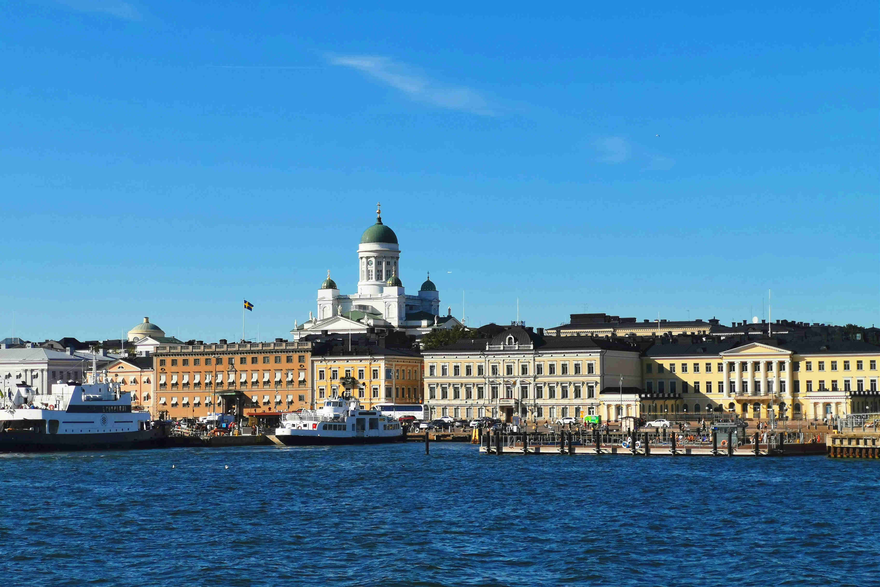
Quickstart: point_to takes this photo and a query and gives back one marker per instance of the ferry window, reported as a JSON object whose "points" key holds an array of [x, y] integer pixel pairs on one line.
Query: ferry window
{"points": [[174, 362], [185, 362]]}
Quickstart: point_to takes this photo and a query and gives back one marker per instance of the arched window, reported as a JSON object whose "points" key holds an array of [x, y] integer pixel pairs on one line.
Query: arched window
{"points": [[696, 408], [369, 270], [510, 340]]}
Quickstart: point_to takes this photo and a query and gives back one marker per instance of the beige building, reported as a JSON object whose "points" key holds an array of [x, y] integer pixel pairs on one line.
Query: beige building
{"points": [[135, 376], [520, 372]]}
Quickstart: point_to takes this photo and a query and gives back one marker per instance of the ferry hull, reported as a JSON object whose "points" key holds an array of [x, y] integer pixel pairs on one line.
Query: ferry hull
{"points": [[38, 442], [296, 440]]}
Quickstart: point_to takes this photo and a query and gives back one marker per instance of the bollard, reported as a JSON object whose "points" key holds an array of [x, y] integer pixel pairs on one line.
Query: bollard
{"points": [[647, 445], [427, 443], [757, 446], [673, 444], [782, 444], [730, 443], [598, 438], [525, 443], [571, 443], [499, 443], [714, 443]]}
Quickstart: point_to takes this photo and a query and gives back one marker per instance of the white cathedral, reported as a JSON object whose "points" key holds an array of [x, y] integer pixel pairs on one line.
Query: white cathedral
{"points": [[380, 302]]}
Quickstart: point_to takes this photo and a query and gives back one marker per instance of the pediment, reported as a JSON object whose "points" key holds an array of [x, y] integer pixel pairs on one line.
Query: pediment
{"points": [[755, 349], [339, 324]]}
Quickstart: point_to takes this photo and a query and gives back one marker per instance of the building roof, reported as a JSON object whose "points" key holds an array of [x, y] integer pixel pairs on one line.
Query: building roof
{"points": [[36, 354], [146, 328], [394, 281], [801, 346], [710, 349], [328, 283], [142, 363]]}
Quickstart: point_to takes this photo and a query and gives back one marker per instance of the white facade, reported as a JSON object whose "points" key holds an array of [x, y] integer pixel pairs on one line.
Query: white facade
{"points": [[38, 368]]}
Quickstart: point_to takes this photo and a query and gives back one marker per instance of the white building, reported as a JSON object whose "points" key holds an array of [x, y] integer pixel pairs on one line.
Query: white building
{"points": [[38, 368], [381, 301]]}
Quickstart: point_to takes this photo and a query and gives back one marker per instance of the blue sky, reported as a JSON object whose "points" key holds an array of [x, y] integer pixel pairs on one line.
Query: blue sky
{"points": [[169, 159]]}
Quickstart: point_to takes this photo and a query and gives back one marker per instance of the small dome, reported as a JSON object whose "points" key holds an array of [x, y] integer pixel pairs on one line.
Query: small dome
{"points": [[428, 285], [378, 233], [328, 283], [145, 328], [394, 281]]}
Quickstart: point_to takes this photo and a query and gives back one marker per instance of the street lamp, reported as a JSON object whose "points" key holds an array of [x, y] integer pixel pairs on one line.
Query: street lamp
{"points": [[620, 408]]}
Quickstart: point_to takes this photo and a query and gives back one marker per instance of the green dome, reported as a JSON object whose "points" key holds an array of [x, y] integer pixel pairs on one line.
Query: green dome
{"points": [[394, 281], [146, 328], [379, 233], [328, 283], [428, 285]]}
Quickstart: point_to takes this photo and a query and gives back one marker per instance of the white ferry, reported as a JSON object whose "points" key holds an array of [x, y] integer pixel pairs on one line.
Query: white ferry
{"points": [[341, 420], [93, 415]]}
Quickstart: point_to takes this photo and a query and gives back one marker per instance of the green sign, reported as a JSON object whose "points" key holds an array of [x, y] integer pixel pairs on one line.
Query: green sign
{"points": [[592, 419]]}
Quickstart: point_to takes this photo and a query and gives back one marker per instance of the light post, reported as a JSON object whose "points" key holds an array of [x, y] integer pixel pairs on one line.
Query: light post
{"points": [[620, 408]]}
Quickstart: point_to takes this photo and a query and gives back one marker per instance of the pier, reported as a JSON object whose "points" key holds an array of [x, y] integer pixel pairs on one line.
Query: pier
{"points": [[858, 437]]}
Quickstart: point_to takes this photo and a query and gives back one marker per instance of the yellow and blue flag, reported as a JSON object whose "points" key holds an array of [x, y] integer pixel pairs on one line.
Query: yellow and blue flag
{"points": [[248, 306]]}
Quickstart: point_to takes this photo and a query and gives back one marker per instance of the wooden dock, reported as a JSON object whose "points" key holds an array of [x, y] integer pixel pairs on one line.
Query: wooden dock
{"points": [[854, 444]]}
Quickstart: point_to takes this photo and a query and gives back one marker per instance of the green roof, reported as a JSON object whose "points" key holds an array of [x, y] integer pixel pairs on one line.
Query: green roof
{"points": [[428, 285], [379, 233], [328, 284], [394, 281]]}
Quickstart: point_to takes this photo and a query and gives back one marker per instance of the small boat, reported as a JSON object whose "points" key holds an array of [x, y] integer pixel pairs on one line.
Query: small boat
{"points": [[341, 420], [94, 415]]}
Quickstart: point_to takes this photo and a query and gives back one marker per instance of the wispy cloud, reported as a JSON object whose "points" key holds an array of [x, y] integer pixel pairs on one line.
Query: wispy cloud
{"points": [[612, 149], [117, 8], [414, 85]]}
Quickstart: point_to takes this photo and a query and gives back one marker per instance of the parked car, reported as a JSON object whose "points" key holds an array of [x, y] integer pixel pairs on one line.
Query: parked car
{"points": [[476, 423], [407, 420], [661, 423], [447, 419], [567, 420], [426, 425]]}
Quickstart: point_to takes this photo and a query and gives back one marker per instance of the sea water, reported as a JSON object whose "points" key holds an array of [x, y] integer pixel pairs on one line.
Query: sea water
{"points": [[392, 515]]}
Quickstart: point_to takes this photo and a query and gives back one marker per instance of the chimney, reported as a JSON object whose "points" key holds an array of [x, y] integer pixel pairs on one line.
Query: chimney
{"points": [[223, 341], [540, 332]]}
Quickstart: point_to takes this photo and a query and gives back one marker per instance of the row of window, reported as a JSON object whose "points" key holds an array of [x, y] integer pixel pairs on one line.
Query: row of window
{"points": [[706, 386], [757, 366], [241, 360], [389, 374], [542, 412], [575, 368], [478, 392], [197, 400]]}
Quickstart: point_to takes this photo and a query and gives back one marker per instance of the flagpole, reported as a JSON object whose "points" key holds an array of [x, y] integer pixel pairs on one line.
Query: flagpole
{"points": [[242, 323]]}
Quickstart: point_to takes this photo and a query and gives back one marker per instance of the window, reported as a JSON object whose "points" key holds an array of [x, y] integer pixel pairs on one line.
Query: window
{"points": [[591, 368], [721, 367], [708, 367], [161, 364], [494, 390], [649, 386], [360, 374], [456, 371], [277, 359], [254, 360], [174, 362], [539, 392], [266, 359], [301, 358], [797, 387], [288, 359], [564, 369], [821, 365], [456, 392], [809, 365], [660, 369], [468, 392], [696, 367], [782, 367], [539, 369], [551, 368], [758, 386], [242, 360], [481, 392], [661, 387], [696, 386], [708, 386], [745, 387], [577, 389], [321, 374], [444, 370], [563, 391], [847, 386], [551, 392], [375, 373], [721, 387], [845, 366], [672, 367], [649, 368], [860, 365], [684, 367], [320, 393], [508, 369], [591, 392], [524, 369], [334, 374], [375, 392], [684, 387], [481, 370], [469, 370], [834, 385], [834, 365], [672, 387], [494, 370], [873, 365], [444, 392], [577, 368]]}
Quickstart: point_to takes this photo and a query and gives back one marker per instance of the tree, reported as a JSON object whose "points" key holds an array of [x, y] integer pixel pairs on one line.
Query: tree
{"points": [[441, 337]]}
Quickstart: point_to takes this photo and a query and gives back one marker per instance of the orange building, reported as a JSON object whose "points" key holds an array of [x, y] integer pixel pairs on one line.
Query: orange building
{"points": [[192, 381], [134, 375]]}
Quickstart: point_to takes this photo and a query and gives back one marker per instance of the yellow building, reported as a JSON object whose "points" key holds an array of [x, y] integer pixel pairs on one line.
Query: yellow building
{"points": [[798, 379], [381, 375], [521, 372], [191, 381], [135, 376]]}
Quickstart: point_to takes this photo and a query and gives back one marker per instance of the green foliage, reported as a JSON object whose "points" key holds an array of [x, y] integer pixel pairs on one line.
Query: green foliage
{"points": [[441, 337]]}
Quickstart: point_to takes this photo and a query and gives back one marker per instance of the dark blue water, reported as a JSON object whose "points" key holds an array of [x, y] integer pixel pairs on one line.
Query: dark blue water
{"points": [[390, 515]]}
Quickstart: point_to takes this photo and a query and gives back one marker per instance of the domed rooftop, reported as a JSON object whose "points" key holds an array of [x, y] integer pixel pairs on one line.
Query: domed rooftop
{"points": [[328, 283], [379, 233], [394, 281], [145, 329], [428, 285]]}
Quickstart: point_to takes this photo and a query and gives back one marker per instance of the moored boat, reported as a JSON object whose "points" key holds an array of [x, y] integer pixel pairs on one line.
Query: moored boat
{"points": [[94, 415], [341, 420]]}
